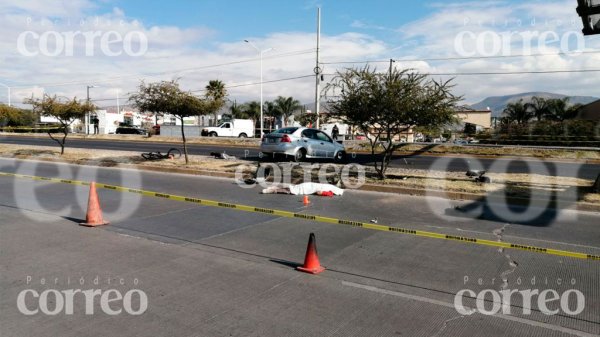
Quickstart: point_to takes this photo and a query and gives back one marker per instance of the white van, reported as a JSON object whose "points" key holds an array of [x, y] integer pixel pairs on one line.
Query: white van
{"points": [[235, 128]]}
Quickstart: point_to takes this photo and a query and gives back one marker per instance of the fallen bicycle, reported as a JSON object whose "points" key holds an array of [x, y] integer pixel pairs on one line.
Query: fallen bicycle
{"points": [[173, 153]]}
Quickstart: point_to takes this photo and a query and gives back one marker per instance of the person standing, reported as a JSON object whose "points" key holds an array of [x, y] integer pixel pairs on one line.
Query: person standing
{"points": [[335, 132], [95, 121]]}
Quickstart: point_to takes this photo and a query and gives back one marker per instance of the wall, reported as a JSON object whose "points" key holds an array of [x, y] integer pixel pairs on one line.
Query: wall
{"points": [[175, 130]]}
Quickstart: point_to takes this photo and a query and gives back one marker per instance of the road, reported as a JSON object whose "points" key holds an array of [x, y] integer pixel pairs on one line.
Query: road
{"points": [[458, 164], [218, 272]]}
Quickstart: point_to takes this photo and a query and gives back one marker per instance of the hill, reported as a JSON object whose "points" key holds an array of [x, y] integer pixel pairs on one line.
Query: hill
{"points": [[498, 103]]}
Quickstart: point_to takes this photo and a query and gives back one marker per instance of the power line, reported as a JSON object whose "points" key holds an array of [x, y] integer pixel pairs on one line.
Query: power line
{"points": [[516, 72], [507, 72], [464, 58], [226, 86], [287, 54]]}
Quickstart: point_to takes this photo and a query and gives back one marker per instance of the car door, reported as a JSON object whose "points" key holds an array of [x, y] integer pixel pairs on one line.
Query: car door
{"points": [[310, 141], [324, 145], [226, 130]]}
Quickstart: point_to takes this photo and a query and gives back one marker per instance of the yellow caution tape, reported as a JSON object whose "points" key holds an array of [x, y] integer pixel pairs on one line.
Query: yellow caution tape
{"points": [[318, 218]]}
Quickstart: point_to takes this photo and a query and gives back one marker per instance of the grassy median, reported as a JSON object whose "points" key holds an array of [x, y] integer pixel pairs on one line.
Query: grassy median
{"points": [[515, 185]]}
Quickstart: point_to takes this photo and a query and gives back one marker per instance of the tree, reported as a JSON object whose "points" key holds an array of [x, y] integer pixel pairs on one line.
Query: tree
{"points": [[149, 96], [285, 107], [270, 110], [237, 111], [252, 111], [11, 116], [560, 110], [385, 105], [65, 113], [310, 119], [517, 112], [539, 106], [168, 98], [216, 95]]}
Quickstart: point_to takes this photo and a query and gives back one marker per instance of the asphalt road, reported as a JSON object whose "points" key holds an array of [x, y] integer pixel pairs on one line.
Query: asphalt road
{"points": [[459, 164], [217, 272]]}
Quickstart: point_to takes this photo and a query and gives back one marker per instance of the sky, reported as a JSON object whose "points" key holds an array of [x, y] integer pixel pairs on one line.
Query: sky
{"points": [[487, 48]]}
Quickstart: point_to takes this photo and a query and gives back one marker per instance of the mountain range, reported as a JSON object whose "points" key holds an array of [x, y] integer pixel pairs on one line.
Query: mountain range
{"points": [[497, 104]]}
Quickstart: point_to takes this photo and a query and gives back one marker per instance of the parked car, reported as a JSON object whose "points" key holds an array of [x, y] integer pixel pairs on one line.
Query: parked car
{"points": [[130, 130], [235, 128], [301, 143]]}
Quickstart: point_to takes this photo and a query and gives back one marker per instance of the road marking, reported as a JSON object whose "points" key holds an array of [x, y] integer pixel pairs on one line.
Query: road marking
{"points": [[450, 305], [319, 218]]}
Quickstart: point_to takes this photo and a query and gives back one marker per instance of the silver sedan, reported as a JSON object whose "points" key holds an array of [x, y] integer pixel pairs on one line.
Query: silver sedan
{"points": [[301, 143]]}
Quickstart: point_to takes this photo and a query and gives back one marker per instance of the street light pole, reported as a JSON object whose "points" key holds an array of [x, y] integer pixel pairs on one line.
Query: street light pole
{"points": [[260, 53], [318, 68]]}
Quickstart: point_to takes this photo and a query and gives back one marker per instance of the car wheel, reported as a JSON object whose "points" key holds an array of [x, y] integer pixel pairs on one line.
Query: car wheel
{"points": [[340, 156], [213, 134], [300, 155], [243, 135]]}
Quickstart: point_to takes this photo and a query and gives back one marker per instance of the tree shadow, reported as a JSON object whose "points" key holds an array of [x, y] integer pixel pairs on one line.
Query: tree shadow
{"points": [[499, 207]]}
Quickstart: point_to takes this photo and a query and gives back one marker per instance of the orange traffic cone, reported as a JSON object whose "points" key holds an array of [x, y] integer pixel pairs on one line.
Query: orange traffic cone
{"points": [[311, 261], [93, 217], [305, 200]]}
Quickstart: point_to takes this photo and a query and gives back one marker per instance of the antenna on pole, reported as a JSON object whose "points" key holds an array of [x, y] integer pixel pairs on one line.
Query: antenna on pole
{"points": [[318, 68]]}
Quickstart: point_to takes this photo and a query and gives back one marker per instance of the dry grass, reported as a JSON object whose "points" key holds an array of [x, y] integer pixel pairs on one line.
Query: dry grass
{"points": [[519, 185]]}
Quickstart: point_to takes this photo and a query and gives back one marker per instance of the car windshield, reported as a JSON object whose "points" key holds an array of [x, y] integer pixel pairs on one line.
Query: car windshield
{"points": [[287, 131]]}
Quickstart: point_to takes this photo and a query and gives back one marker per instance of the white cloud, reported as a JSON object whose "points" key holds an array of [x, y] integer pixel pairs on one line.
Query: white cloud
{"points": [[436, 36], [188, 53]]}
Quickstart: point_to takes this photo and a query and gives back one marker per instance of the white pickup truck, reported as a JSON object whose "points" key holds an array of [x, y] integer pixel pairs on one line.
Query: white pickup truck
{"points": [[235, 128]]}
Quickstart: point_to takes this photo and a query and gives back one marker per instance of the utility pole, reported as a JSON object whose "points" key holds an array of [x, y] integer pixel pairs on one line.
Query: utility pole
{"points": [[318, 68], [391, 66], [87, 115]]}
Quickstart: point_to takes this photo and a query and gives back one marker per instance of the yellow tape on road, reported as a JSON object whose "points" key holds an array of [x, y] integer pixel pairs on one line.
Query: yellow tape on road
{"points": [[318, 218]]}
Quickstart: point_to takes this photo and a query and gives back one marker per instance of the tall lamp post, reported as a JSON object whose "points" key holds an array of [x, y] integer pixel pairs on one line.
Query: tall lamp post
{"points": [[260, 53], [8, 88], [87, 115]]}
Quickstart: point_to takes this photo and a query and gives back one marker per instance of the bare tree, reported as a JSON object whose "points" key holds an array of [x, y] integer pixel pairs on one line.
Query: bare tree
{"points": [[64, 112], [167, 97], [385, 105]]}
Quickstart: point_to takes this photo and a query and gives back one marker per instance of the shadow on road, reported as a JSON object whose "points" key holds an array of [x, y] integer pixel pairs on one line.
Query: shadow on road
{"points": [[528, 211]]}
